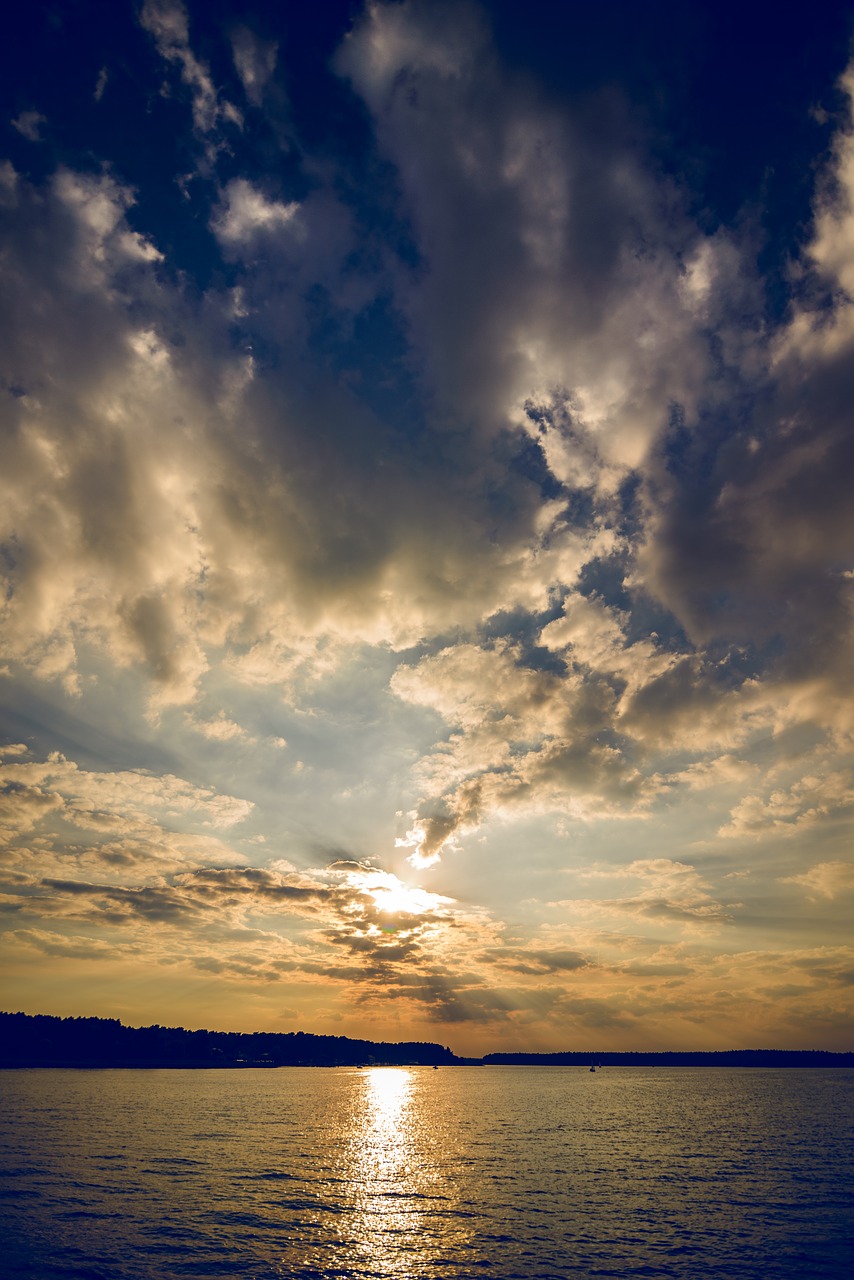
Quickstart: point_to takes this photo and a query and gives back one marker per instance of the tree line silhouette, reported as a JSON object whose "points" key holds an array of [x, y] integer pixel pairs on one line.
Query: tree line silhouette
{"points": [[39, 1040]]}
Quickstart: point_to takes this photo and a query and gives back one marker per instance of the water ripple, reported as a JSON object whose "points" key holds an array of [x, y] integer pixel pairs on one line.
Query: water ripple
{"points": [[395, 1174]]}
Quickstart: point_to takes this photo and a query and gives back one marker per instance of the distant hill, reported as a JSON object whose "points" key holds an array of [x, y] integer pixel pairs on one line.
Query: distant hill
{"points": [[40, 1041], [711, 1058], [36, 1040]]}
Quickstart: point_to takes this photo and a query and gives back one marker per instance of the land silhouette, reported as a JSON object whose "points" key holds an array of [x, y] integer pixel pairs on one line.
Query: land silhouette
{"points": [[39, 1040]]}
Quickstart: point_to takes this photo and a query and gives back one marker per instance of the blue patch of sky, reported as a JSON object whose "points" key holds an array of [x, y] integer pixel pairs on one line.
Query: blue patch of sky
{"points": [[724, 97], [629, 523], [727, 96], [523, 628], [134, 133], [97, 732], [737, 663], [371, 354], [604, 578], [647, 617], [140, 130], [714, 452], [529, 461]]}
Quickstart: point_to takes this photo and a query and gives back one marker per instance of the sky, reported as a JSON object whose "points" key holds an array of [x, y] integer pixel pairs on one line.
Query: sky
{"points": [[425, 520]]}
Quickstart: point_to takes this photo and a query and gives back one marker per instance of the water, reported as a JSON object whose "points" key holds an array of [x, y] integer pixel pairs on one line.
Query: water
{"points": [[509, 1173]]}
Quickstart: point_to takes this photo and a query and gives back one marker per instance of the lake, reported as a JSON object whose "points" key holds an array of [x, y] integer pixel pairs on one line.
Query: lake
{"points": [[505, 1172]]}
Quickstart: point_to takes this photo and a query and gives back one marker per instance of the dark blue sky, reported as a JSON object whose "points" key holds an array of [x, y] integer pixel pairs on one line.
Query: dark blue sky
{"points": [[724, 96]]}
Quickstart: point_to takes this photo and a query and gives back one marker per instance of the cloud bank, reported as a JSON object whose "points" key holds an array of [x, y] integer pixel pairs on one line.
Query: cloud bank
{"points": [[460, 481]]}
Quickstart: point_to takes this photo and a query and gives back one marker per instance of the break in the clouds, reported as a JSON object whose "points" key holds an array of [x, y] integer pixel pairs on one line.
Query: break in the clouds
{"points": [[426, 538]]}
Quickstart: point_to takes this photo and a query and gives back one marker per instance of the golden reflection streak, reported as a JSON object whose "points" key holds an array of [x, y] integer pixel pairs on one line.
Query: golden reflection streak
{"points": [[403, 1220], [388, 1096]]}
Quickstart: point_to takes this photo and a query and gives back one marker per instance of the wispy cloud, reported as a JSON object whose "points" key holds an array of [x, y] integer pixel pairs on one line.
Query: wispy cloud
{"points": [[167, 21]]}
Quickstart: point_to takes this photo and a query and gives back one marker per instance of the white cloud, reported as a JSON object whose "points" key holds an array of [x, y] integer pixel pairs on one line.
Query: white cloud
{"points": [[119, 824], [591, 633], [119, 795], [244, 212], [523, 739]]}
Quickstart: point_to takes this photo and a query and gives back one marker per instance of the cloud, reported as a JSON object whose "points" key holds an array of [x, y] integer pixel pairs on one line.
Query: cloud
{"points": [[538, 960], [586, 335], [525, 737], [467, 438], [220, 729], [792, 810], [830, 248], [695, 703], [23, 807], [68, 948], [116, 822], [255, 61], [825, 880], [95, 514], [591, 633], [395, 942], [758, 551], [244, 213], [28, 125], [207, 896], [726, 770], [132, 793], [585, 343], [671, 892], [164, 503], [167, 22]]}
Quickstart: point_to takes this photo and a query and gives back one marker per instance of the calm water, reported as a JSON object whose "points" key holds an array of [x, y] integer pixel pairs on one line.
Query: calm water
{"points": [[506, 1172]]}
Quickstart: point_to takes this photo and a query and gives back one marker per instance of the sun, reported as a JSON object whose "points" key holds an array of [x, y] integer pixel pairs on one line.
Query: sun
{"points": [[402, 898], [393, 896]]}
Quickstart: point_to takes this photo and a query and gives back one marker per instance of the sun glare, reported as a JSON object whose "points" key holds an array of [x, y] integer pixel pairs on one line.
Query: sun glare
{"points": [[389, 1089], [394, 896]]}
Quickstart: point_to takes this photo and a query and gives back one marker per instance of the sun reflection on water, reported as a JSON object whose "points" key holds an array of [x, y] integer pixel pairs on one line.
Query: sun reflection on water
{"points": [[398, 1188], [389, 1089]]}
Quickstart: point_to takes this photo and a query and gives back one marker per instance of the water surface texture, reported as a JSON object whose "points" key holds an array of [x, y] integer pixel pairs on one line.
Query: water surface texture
{"points": [[506, 1172]]}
